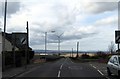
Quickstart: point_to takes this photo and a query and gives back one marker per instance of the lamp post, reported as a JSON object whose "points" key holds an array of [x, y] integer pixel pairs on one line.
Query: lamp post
{"points": [[46, 41], [72, 52], [77, 50]]}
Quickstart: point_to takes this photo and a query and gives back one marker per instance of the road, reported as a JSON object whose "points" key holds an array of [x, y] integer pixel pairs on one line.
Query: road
{"points": [[64, 68]]}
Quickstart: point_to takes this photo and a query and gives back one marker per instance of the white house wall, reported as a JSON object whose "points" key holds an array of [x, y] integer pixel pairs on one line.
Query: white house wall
{"points": [[0, 42], [8, 45]]}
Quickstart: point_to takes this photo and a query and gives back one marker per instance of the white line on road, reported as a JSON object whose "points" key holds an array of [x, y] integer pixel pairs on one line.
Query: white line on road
{"points": [[107, 77], [71, 61], [97, 70], [94, 67], [91, 64], [59, 73], [100, 72], [61, 66]]}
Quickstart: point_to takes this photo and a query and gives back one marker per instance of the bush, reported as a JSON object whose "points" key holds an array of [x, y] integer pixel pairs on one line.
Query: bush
{"points": [[85, 56], [101, 54]]}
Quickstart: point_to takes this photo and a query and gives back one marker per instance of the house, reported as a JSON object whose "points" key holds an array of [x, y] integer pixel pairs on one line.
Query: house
{"points": [[8, 42], [0, 42], [13, 40]]}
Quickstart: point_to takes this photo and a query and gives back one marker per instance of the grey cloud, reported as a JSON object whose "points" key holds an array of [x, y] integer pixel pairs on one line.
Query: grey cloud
{"points": [[12, 7], [108, 6], [71, 37], [80, 36], [101, 7], [119, 15]]}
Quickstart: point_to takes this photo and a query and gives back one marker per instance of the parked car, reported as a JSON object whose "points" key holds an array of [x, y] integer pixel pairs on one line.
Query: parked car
{"points": [[113, 65]]}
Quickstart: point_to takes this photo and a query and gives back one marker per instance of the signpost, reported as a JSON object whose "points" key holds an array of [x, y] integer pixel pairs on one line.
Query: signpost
{"points": [[117, 38]]}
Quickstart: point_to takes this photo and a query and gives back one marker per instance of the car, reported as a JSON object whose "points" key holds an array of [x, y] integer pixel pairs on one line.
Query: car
{"points": [[113, 65]]}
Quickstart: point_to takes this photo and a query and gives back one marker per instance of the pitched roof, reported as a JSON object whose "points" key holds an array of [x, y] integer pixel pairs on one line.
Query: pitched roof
{"points": [[8, 36]]}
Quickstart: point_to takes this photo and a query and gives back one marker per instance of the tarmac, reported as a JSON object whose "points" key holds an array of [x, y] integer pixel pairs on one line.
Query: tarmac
{"points": [[13, 72]]}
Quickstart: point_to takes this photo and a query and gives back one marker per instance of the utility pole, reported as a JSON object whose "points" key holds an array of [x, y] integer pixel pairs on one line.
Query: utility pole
{"points": [[72, 52], [27, 46], [45, 43], [27, 42], [58, 44], [4, 36], [77, 49]]}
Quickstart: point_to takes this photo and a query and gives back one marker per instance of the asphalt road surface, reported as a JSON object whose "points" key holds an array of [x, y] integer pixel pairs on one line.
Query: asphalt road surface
{"points": [[64, 68]]}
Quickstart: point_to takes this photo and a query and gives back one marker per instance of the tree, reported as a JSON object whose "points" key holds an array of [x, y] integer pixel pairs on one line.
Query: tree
{"points": [[112, 47]]}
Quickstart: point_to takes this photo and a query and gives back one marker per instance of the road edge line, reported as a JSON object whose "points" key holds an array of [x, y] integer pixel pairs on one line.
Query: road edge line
{"points": [[59, 73]]}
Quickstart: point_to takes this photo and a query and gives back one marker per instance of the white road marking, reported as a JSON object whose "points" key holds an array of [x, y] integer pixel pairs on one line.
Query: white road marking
{"points": [[97, 70], [94, 67], [61, 66], [107, 77], [60, 69], [71, 61], [100, 72], [59, 73], [75, 67], [105, 70]]}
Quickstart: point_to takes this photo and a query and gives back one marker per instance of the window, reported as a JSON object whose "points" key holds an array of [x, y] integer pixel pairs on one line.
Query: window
{"points": [[119, 59], [111, 59], [115, 60]]}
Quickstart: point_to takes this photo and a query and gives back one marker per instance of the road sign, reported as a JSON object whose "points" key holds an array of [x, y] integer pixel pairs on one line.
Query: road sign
{"points": [[19, 39], [23, 41], [117, 36]]}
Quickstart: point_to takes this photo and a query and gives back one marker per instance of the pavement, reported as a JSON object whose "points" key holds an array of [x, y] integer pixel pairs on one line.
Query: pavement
{"points": [[13, 72]]}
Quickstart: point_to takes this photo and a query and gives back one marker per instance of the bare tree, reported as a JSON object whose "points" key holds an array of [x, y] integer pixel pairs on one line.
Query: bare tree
{"points": [[112, 47]]}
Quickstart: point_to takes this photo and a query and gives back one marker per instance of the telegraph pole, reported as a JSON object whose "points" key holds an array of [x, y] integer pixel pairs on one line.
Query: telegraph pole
{"points": [[77, 49], [59, 44], [27, 41], [72, 52], [4, 35], [45, 43]]}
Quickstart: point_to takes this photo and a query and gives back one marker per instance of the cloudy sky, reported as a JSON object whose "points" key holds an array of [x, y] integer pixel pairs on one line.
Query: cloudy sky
{"points": [[90, 23]]}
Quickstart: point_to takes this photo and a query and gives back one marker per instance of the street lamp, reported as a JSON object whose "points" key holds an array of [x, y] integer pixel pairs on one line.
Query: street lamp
{"points": [[46, 41], [59, 36]]}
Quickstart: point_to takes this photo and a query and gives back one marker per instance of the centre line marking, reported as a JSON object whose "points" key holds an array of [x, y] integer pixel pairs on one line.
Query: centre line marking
{"points": [[94, 67], [61, 66], [59, 73], [100, 72]]}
